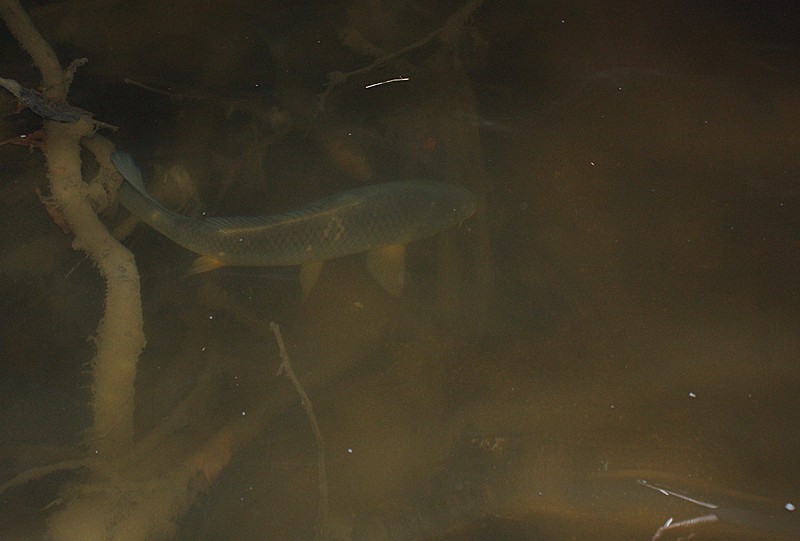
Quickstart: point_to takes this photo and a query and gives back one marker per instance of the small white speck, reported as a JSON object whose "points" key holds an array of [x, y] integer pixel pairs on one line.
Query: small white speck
{"points": [[203, 348], [244, 413], [789, 506], [350, 450], [612, 406], [591, 163], [210, 317], [692, 395]]}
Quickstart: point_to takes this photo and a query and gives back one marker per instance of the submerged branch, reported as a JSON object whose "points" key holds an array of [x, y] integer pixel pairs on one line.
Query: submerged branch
{"points": [[286, 368], [120, 336], [35, 45], [38, 472]]}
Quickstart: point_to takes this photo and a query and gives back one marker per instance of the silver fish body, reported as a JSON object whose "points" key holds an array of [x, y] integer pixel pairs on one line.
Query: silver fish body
{"points": [[358, 220]]}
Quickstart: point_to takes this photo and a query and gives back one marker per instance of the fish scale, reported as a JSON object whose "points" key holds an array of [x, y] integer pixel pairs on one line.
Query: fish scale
{"points": [[363, 219]]}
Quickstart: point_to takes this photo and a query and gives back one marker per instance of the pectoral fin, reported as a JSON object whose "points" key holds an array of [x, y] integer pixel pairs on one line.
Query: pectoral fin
{"points": [[309, 273], [388, 267], [205, 263]]}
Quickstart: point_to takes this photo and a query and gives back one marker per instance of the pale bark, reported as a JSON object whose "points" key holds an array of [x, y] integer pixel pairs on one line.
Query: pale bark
{"points": [[120, 337]]}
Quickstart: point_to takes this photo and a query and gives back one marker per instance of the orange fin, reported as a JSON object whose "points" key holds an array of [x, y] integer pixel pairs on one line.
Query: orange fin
{"points": [[309, 273], [387, 266], [205, 263]]}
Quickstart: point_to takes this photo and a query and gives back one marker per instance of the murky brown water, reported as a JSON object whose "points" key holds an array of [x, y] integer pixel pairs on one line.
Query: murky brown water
{"points": [[623, 306]]}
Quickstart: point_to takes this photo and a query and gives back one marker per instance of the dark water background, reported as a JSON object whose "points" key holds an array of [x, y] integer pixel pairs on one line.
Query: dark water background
{"points": [[624, 305]]}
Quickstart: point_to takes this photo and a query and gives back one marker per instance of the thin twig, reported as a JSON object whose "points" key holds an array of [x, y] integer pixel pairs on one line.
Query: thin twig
{"points": [[286, 368], [43, 471]]}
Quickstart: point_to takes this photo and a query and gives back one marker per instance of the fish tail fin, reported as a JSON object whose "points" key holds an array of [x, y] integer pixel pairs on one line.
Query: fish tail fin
{"points": [[135, 197], [129, 171]]}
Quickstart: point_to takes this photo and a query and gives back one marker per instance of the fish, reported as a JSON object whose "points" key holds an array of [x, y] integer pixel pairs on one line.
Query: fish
{"points": [[378, 219]]}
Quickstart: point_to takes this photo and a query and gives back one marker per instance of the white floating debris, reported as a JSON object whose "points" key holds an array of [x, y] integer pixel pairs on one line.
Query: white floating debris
{"points": [[789, 506], [395, 80], [692, 395]]}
